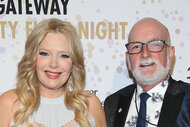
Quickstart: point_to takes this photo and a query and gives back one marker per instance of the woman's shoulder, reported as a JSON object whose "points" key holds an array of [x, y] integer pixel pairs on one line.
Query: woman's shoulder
{"points": [[8, 97], [8, 100], [93, 100], [8, 106]]}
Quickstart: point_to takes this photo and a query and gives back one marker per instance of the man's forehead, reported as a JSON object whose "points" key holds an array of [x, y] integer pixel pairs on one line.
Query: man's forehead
{"points": [[144, 32], [145, 36]]}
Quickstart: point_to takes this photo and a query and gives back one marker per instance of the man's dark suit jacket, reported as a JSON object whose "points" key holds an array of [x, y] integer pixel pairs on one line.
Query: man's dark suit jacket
{"points": [[175, 111]]}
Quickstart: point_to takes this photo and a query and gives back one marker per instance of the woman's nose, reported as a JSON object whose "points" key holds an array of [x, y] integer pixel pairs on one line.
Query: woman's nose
{"points": [[53, 63]]}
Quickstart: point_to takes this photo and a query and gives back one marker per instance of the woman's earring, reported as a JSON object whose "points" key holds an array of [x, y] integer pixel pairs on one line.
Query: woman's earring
{"points": [[70, 87]]}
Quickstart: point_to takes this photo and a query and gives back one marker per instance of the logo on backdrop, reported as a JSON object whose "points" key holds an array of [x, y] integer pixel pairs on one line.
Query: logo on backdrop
{"points": [[44, 7], [87, 30], [93, 91]]}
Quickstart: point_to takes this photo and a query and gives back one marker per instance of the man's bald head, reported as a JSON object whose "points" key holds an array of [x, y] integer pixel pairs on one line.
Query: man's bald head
{"points": [[150, 24]]}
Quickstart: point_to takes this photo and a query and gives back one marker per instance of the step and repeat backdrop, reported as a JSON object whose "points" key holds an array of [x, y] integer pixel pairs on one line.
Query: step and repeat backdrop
{"points": [[103, 26]]}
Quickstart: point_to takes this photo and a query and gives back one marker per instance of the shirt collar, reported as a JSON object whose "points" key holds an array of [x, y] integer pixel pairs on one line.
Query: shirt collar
{"points": [[157, 93]]}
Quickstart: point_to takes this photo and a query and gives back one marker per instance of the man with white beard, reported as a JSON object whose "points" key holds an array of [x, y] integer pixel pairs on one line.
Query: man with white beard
{"points": [[155, 99]]}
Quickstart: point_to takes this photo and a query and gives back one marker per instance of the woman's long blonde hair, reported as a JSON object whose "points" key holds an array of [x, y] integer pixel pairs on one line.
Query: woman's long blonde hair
{"points": [[27, 80]]}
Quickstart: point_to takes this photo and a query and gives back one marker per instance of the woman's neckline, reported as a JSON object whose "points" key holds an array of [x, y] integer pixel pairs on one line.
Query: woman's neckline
{"points": [[57, 100]]}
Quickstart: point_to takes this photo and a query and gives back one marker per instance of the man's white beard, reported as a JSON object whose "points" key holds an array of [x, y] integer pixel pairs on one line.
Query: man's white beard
{"points": [[156, 76]]}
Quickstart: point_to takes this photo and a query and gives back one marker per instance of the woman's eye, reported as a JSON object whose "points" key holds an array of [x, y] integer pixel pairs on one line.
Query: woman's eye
{"points": [[43, 53], [64, 56]]}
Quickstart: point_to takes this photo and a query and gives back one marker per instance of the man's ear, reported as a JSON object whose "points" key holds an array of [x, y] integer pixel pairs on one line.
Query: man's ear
{"points": [[128, 61], [172, 55]]}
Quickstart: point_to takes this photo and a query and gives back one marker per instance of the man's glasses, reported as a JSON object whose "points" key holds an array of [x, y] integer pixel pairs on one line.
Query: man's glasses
{"points": [[155, 45]]}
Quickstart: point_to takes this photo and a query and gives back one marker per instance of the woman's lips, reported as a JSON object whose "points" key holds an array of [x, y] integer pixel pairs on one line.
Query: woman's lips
{"points": [[53, 75]]}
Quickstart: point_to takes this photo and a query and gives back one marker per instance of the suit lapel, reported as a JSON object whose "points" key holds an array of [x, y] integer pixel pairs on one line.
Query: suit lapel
{"points": [[123, 107], [171, 105]]}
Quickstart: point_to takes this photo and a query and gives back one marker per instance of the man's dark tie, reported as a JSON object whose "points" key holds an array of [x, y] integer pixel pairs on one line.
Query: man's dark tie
{"points": [[141, 121]]}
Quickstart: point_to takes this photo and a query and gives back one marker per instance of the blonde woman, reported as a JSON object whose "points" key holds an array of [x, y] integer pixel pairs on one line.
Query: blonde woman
{"points": [[50, 83]]}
